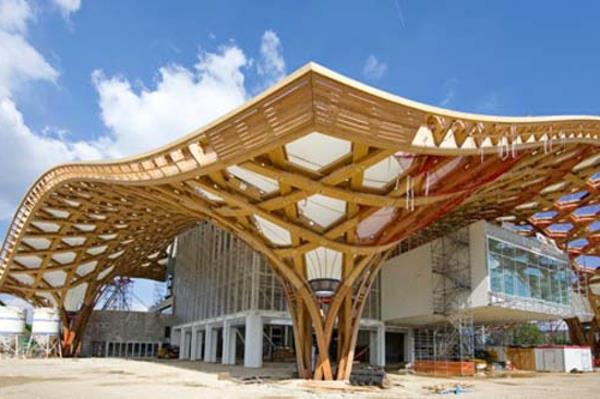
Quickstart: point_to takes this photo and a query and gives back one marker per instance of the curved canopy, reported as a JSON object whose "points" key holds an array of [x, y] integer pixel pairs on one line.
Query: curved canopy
{"points": [[318, 164]]}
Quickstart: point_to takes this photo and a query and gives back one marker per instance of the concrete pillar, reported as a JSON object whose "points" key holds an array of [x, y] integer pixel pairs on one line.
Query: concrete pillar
{"points": [[253, 341], [194, 344], [188, 343], [181, 343], [409, 346], [377, 346], [210, 344], [229, 335]]}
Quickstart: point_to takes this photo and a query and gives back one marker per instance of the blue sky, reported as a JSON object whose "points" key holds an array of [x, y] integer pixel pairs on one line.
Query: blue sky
{"points": [[100, 79]]}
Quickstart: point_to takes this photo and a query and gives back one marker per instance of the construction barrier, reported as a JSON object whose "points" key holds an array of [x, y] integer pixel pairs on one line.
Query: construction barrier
{"points": [[445, 368]]}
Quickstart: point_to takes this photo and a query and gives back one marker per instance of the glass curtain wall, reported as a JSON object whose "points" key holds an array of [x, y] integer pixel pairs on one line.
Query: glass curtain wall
{"points": [[516, 271]]}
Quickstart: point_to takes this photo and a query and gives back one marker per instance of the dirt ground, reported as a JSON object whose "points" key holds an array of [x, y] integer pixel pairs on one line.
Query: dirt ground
{"points": [[119, 378]]}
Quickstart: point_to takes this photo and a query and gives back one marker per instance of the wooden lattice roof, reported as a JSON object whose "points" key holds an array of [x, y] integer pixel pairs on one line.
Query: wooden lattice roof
{"points": [[317, 169]]}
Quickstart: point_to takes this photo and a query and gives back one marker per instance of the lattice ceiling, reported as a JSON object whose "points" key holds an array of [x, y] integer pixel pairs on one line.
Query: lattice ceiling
{"points": [[314, 172]]}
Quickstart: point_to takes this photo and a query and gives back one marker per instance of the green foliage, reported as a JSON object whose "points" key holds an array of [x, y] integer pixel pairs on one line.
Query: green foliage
{"points": [[527, 334]]}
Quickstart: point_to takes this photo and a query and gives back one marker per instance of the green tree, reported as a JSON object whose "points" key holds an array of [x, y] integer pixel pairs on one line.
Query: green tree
{"points": [[527, 334]]}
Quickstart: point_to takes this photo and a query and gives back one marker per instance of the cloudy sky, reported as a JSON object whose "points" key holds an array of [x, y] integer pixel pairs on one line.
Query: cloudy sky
{"points": [[103, 79]]}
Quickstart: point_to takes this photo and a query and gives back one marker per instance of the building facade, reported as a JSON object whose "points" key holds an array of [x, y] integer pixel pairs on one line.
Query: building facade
{"points": [[231, 307]]}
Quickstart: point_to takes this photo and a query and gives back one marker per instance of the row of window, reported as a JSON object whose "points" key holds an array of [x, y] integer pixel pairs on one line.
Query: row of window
{"points": [[516, 271]]}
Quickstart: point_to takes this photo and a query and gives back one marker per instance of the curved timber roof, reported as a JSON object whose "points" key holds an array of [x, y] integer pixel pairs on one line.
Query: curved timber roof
{"points": [[317, 167]]}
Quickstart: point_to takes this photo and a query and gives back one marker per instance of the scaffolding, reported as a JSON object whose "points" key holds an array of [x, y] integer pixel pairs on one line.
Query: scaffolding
{"points": [[452, 337]]}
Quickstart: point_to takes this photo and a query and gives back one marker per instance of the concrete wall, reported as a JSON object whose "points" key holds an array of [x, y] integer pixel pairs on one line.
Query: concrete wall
{"points": [[117, 326], [406, 285], [479, 271]]}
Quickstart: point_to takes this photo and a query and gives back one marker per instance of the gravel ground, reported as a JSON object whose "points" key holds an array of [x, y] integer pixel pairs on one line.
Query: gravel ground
{"points": [[118, 378]]}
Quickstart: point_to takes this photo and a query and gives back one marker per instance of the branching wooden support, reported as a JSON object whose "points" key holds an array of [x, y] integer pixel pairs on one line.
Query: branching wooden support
{"points": [[321, 175]]}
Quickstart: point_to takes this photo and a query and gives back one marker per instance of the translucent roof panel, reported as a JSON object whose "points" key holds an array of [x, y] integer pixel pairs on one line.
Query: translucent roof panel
{"points": [[74, 241], [86, 268], [579, 243], [573, 197], [587, 211], [323, 262], [322, 210], [74, 297], [316, 150], [273, 232], [263, 183], [37, 242], [594, 227], [24, 278], [544, 215], [385, 171], [105, 272], [29, 261], [46, 227], [64, 257], [208, 195], [56, 278]]}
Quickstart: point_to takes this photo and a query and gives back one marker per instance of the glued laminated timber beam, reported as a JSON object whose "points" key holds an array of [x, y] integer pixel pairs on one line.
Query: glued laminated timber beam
{"points": [[318, 164]]}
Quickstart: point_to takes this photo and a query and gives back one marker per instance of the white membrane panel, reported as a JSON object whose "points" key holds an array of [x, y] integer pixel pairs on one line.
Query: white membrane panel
{"points": [[56, 278], [64, 257], [37, 243], [74, 241], [74, 297], [322, 210], [46, 227], [97, 250], [385, 171], [323, 262], [85, 227], [591, 161], [105, 273], [29, 261], [23, 278], [208, 195], [86, 268], [57, 213], [316, 150], [263, 183], [274, 233]]}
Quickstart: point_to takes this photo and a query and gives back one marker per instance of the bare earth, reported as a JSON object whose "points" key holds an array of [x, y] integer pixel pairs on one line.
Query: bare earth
{"points": [[119, 378]]}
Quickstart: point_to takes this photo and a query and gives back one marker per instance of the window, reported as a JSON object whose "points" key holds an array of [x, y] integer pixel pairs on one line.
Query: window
{"points": [[516, 271]]}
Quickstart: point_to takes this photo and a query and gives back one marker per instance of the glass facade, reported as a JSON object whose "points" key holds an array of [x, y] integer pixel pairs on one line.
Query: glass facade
{"points": [[217, 274], [516, 271]]}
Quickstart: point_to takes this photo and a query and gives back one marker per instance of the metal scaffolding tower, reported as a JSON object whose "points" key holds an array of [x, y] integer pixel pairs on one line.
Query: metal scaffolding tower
{"points": [[117, 295], [452, 338]]}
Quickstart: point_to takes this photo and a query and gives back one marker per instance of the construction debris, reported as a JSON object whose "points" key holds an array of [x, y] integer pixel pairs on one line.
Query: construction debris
{"points": [[449, 388]]}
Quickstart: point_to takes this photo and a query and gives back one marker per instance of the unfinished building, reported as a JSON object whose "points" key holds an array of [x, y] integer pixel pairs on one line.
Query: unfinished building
{"points": [[324, 177]]}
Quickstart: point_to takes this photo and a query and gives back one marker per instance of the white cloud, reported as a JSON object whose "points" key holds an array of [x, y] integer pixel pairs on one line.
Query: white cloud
{"points": [[20, 63], [14, 15], [373, 68], [67, 7], [137, 119], [449, 89], [183, 100], [29, 154], [271, 65], [491, 103], [26, 153]]}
